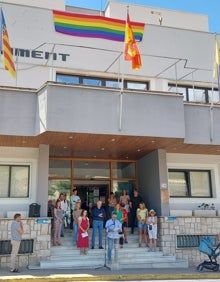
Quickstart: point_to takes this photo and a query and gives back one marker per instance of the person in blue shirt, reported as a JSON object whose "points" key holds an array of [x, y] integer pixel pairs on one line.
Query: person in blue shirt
{"points": [[99, 215], [113, 228]]}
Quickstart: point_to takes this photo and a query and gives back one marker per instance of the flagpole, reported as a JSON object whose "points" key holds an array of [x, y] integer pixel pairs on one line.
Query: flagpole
{"points": [[215, 72], [120, 96], [121, 90], [16, 63]]}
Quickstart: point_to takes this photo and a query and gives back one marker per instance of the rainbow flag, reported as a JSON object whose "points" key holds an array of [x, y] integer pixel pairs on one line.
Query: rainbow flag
{"points": [[94, 26]]}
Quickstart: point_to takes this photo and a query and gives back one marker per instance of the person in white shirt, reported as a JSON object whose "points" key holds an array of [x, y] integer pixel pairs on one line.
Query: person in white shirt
{"points": [[113, 227], [64, 207], [152, 230], [73, 199]]}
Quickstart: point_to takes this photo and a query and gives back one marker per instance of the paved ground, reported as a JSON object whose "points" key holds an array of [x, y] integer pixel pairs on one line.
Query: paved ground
{"points": [[103, 274]]}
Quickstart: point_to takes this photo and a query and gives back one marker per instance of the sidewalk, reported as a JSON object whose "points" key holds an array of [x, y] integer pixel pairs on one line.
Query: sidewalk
{"points": [[103, 274]]}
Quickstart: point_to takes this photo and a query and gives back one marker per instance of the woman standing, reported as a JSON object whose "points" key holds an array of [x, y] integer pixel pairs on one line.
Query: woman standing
{"points": [[83, 235], [142, 214], [76, 214], [111, 203], [57, 221], [125, 199]]}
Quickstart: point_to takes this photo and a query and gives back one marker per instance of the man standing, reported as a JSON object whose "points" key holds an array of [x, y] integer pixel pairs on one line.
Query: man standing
{"points": [[113, 228], [99, 215], [134, 205], [64, 209], [73, 199], [16, 232]]}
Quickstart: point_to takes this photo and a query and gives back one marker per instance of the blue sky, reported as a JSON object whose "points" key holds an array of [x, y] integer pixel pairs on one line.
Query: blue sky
{"points": [[207, 7]]}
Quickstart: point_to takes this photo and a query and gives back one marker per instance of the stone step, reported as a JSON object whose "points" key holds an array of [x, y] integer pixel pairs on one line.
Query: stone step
{"points": [[156, 264], [71, 249], [163, 262], [122, 254], [68, 256]]}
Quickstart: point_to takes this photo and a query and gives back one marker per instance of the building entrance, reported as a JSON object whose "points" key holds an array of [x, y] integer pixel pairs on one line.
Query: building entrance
{"points": [[91, 193], [94, 179]]}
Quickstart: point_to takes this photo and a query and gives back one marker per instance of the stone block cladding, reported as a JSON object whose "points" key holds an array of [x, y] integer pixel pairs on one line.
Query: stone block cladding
{"points": [[171, 227], [39, 231]]}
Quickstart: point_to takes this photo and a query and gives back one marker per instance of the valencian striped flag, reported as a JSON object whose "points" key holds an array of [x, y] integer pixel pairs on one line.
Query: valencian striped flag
{"points": [[131, 49], [6, 48], [94, 26]]}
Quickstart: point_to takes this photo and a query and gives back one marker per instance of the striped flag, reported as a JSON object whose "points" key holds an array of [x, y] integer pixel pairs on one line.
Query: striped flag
{"points": [[5, 47], [131, 49], [1, 31], [217, 60], [216, 71]]}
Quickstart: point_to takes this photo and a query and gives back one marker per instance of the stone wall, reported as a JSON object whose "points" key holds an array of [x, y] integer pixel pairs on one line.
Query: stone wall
{"points": [[38, 229], [170, 227]]}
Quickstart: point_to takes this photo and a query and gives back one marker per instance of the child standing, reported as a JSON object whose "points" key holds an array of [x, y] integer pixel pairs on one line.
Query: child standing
{"points": [[152, 230]]}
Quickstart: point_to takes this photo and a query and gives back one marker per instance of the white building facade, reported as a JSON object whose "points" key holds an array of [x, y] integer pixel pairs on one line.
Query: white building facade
{"points": [[77, 115]]}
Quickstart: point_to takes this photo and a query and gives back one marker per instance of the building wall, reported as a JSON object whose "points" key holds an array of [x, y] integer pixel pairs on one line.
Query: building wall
{"points": [[171, 227], [151, 15], [39, 230], [152, 180], [42, 183], [149, 181], [186, 49], [192, 161], [17, 112], [202, 121], [47, 4], [70, 109], [20, 156]]}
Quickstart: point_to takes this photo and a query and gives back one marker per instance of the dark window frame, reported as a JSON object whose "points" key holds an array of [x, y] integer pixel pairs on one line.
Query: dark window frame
{"points": [[9, 192], [188, 88], [187, 178], [103, 81]]}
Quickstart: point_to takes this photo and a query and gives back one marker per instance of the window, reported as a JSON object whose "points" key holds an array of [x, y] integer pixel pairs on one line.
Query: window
{"points": [[178, 89], [104, 82], [14, 181], [113, 83], [196, 94], [136, 85], [67, 79], [123, 170], [92, 81], [91, 170], [190, 183], [60, 168]]}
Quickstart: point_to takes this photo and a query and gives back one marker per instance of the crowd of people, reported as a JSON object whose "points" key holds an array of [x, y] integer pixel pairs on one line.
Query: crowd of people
{"points": [[115, 221], [119, 214]]}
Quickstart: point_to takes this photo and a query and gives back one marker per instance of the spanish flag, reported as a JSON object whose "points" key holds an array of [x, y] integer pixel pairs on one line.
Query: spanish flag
{"points": [[131, 49], [6, 48]]}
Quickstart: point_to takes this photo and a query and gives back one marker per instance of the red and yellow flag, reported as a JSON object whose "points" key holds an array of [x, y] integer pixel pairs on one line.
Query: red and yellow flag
{"points": [[131, 49], [6, 48]]}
